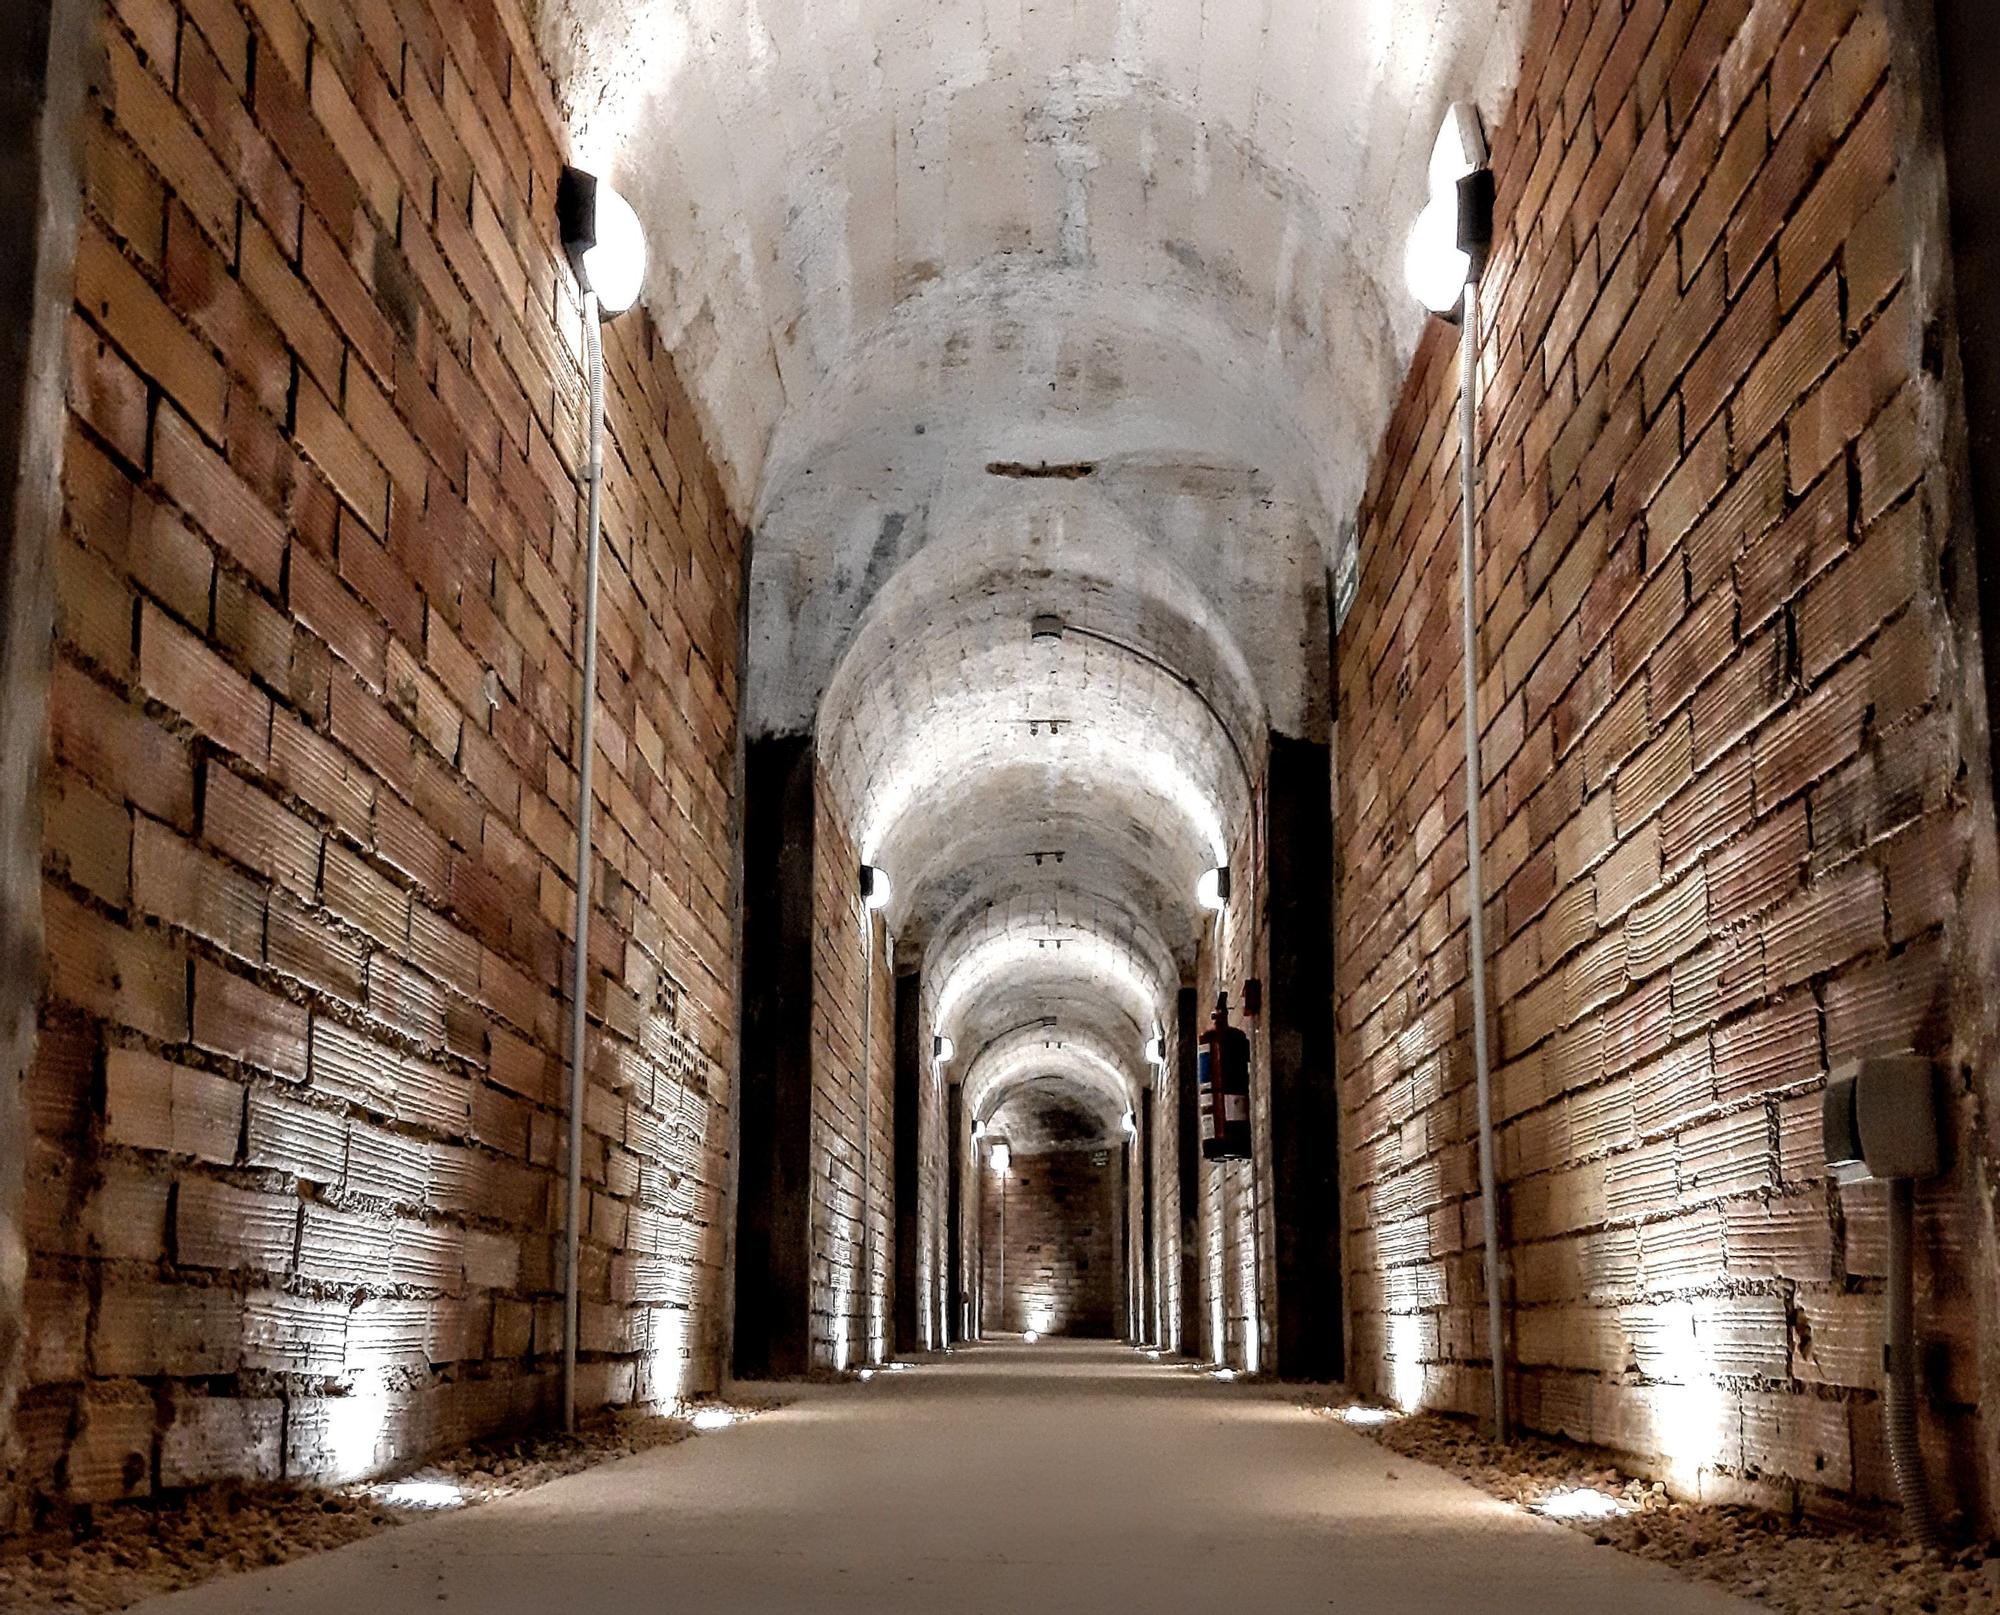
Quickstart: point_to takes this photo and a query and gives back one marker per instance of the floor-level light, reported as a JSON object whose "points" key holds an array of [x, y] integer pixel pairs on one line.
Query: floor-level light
{"points": [[1212, 890], [874, 887], [710, 1419], [420, 1494], [1447, 255], [607, 249], [1582, 1503]]}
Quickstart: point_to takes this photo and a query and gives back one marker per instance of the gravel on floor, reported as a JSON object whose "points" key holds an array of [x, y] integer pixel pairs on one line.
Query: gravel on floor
{"points": [[1802, 1567], [110, 1558]]}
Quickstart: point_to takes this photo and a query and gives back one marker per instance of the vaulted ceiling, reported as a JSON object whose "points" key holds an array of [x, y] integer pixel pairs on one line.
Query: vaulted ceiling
{"points": [[997, 309]]}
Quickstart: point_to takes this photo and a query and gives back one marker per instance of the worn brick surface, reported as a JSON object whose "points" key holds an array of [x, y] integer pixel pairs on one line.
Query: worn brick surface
{"points": [[1721, 603], [1056, 1218], [852, 1139], [311, 772]]}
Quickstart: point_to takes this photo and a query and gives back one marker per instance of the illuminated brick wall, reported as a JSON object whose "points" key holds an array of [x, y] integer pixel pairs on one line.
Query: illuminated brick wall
{"points": [[1738, 808], [294, 1190], [853, 1138], [1059, 1224]]}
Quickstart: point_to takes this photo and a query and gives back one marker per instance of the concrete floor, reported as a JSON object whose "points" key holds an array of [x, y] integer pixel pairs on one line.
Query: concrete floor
{"points": [[1031, 1480]]}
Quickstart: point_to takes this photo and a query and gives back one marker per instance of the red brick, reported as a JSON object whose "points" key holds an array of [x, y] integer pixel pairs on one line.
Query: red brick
{"points": [[124, 753], [123, 191], [131, 978], [219, 1226], [1808, 344], [201, 286], [175, 883], [178, 670], [368, 901], [1735, 168], [1787, 557], [121, 304], [1891, 456], [1666, 927], [1778, 1047], [201, 482], [332, 445], [313, 769], [1839, 200], [1892, 1003], [1847, 400], [237, 1018], [285, 116], [246, 824], [88, 838], [151, 1104], [107, 392], [1873, 583], [1924, 870], [158, 127], [1750, 874], [1815, 736], [1825, 926]]}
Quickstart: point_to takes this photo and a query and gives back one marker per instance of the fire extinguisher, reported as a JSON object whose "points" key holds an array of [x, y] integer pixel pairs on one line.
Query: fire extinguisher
{"points": [[1222, 1077]]}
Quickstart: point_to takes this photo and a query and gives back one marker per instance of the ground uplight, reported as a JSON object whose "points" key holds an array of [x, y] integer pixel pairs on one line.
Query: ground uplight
{"points": [[1582, 1503]]}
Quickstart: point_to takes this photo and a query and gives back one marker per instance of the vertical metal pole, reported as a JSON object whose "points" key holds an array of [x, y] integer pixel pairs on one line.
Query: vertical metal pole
{"points": [[593, 343], [867, 1134], [1468, 465], [1002, 1286]]}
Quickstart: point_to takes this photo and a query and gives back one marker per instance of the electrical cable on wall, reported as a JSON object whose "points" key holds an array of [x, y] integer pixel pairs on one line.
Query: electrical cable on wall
{"points": [[607, 250]]}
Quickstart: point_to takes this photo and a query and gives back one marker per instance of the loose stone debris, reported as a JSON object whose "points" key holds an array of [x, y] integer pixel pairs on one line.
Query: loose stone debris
{"points": [[1801, 1567], [109, 1559]]}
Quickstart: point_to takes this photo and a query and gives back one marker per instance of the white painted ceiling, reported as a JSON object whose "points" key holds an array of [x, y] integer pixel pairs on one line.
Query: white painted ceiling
{"points": [[896, 243]]}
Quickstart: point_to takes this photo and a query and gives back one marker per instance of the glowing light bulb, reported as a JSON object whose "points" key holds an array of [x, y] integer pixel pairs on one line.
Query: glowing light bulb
{"points": [[617, 264], [1434, 266]]}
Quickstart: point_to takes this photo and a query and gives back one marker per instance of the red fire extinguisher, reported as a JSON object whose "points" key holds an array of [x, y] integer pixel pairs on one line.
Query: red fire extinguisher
{"points": [[1222, 1077]]}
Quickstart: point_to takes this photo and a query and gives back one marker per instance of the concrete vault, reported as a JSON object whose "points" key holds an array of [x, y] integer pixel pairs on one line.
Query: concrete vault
{"points": [[998, 311]]}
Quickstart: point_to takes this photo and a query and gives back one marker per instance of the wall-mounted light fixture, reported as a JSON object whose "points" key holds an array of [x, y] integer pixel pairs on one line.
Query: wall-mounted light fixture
{"points": [[1212, 890], [1452, 236], [874, 887], [1002, 1157], [1131, 1125], [1156, 1051], [942, 1048], [607, 249], [1447, 255], [601, 234]]}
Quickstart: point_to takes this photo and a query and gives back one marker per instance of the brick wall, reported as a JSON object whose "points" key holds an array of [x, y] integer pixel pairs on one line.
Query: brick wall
{"points": [[1728, 826], [294, 1199], [933, 1177], [1234, 1315], [1060, 1227], [853, 1236]]}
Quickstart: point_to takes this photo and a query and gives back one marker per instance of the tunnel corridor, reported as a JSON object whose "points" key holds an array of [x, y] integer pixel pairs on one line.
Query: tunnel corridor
{"points": [[1152, 701], [933, 1489]]}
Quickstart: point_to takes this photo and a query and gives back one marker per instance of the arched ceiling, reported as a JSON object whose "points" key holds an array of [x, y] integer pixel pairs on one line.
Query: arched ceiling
{"points": [[996, 309]]}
